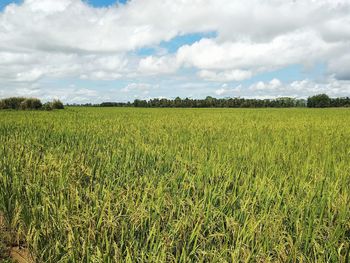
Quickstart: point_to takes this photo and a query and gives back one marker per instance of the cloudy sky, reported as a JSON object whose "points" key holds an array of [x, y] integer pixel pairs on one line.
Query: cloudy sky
{"points": [[103, 50]]}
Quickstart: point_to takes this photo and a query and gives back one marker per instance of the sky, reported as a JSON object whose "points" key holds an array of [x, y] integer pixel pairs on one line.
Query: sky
{"points": [[105, 50]]}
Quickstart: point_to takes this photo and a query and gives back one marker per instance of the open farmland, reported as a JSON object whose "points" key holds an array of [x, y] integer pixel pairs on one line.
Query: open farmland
{"points": [[177, 185]]}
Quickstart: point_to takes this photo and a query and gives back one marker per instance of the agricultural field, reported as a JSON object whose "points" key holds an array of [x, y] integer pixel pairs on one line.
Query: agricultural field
{"points": [[176, 185]]}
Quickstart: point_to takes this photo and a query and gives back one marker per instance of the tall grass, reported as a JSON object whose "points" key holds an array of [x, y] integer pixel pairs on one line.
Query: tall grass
{"points": [[177, 185]]}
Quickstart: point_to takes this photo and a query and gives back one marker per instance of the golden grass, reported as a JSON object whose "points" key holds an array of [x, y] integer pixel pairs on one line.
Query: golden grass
{"points": [[177, 185]]}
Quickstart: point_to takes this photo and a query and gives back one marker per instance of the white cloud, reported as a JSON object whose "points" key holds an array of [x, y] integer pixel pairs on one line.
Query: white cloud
{"points": [[139, 88], [340, 66], [52, 39], [273, 85], [157, 65], [29, 76], [141, 91], [276, 88], [297, 47], [67, 94], [228, 75], [33, 66], [225, 90]]}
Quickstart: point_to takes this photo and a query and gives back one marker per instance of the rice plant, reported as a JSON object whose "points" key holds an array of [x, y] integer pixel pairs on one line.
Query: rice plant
{"points": [[177, 185]]}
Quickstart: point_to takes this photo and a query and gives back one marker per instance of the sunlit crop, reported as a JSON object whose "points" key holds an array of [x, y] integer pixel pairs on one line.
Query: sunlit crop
{"points": [[177, 185]]}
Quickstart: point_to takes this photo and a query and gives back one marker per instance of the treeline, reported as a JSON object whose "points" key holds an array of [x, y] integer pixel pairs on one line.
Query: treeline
{"points": [[317, 101], [21, 103], [324, 101], [208, 102]]}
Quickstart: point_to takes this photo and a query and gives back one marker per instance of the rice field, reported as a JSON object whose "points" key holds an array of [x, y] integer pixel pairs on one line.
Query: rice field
{"points": [[176, 185]]}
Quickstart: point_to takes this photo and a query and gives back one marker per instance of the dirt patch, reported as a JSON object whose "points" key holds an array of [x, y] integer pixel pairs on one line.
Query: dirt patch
{"points": [[21, 255], [16, 254]]}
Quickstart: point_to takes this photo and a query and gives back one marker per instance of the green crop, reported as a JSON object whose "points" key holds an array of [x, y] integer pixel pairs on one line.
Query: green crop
{"points": [[177, 185]]}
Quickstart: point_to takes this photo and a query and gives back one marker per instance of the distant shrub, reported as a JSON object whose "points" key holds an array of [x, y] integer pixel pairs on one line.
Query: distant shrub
{"points": [[47, 106], [30, 104], [2, 105], [57, 104], [21, 103], [11, 103]]}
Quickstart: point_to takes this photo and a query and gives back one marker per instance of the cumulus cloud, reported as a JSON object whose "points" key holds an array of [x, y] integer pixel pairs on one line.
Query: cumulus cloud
{"points": [[228, 75], [225, 90], [157, 65], [52, 39], [139, 88], [71, 94], [301, 47], [340, 67], [29, 67], [296, 89]]}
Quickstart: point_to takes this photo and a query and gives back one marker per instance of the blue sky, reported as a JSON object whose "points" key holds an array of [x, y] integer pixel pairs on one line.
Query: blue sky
{"points": [[95, 3], [4, 3], [95, 50], [101, 3]]}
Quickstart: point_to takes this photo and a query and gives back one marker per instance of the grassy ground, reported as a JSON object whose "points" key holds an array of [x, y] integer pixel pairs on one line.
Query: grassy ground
{"points": [[177, 185]]}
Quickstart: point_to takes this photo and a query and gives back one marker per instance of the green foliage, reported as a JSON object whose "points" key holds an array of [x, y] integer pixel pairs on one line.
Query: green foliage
{"points": [[210, 102], [178, 185], [57, 104], [319, 101], [30, 104], [340, 102], [19, 103], [47, 106], [11, 103]]}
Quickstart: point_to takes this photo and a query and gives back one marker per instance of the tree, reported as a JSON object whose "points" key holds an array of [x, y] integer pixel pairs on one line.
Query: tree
{"points": [[57, 104], [19, 103], [140, 103], [47, 106], [11, 103], [319, 101], [30, 104]]}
